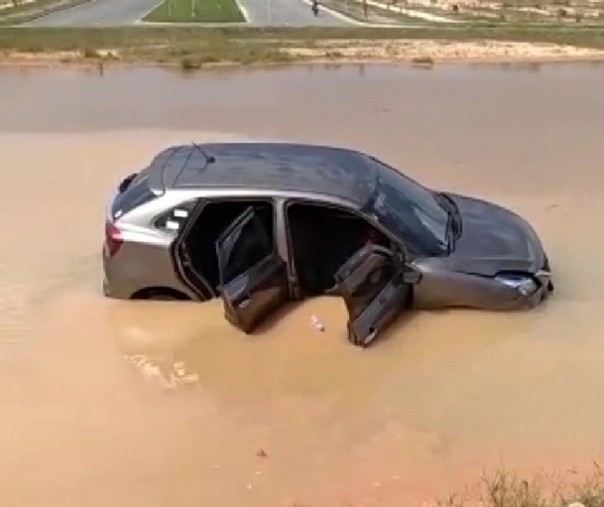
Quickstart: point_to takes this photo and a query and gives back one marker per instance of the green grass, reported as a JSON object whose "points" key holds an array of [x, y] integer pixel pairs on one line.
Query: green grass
{"points": [[137, 36], [196, 11], [189, 37]]}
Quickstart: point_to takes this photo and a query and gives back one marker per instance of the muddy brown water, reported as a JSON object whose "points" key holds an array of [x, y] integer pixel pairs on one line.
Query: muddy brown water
{"points": [[290, 415]]}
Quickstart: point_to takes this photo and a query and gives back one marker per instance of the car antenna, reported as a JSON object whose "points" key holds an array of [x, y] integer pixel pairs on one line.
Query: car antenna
{"points": [[209, 158]]}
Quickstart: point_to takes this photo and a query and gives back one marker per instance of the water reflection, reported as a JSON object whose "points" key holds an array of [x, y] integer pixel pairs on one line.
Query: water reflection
{"points": [[536, 66], [222, 98], [512, 66]]}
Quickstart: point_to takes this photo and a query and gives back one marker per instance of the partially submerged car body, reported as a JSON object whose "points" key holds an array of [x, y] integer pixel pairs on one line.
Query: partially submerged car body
{"points": [[438, 249]]}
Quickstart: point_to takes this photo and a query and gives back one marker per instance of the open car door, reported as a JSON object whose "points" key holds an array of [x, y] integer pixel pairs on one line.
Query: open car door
{"points": [[376, 286], [253, 278]]}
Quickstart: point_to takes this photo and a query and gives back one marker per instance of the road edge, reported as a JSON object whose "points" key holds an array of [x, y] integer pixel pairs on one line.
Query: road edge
{"points": [[43, 13]]}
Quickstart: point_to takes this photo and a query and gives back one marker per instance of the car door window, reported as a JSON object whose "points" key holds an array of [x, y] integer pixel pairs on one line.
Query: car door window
{"points": [[366, 274], [322, 238], [375, 290], [196, 246], [253, 277], [244, 245]]}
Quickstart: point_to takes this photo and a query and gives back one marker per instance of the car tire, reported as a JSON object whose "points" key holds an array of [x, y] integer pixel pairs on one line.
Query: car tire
{"points": [[162, 297], [160, 294]]}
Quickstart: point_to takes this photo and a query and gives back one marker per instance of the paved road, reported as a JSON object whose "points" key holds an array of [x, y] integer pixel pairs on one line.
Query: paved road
{"points": [[126, 12], [99, 13], [288, 13]]}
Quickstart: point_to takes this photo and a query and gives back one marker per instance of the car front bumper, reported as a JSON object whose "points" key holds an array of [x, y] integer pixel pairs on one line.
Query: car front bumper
{"points": [[546, 287]]}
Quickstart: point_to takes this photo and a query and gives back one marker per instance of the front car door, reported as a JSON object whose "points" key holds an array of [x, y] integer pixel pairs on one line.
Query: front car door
{"points": [[376, 286], [253, 278]]}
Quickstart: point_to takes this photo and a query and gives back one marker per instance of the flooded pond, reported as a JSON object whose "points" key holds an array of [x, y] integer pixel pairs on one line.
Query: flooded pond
{"points": [[291, 416]]}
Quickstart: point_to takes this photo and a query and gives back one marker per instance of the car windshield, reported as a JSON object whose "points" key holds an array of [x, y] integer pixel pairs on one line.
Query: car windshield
{"points": [[410, 211]]}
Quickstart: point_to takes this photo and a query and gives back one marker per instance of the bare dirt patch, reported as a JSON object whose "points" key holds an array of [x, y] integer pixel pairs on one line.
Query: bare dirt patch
{"points": [[440, 50]]}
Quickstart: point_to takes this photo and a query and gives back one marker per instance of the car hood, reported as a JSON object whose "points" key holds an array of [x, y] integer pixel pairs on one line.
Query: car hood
{"points": [[493, 239]]}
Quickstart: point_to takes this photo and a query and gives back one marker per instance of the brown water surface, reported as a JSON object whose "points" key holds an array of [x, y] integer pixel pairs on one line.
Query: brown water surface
{"points": [[91, 413]]}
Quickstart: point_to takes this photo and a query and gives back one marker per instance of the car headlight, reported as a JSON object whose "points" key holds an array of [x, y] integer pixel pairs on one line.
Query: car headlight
{"points": [[525, 284]]}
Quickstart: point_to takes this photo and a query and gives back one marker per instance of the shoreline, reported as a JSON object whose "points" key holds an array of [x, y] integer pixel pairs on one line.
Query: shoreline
{"points": [[434, 54], [236, 66], [195, 49]]}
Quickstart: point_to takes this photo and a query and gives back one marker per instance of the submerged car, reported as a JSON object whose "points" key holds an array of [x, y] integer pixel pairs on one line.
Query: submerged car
{"points": [[260, 224]]}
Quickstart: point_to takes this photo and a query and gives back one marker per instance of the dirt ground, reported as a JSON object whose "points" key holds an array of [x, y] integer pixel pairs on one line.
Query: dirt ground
{"points": [[446, 51], [291, 416], [354, 51]]}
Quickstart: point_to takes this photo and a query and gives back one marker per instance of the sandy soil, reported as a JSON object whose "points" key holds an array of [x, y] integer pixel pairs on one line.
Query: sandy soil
{"points": [[446, 51], [291, 416]]}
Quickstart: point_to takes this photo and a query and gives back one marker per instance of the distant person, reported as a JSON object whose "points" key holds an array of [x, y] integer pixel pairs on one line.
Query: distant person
{"points": [[315, 7]]}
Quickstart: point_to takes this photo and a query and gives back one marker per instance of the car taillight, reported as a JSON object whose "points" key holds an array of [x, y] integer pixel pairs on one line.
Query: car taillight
{"points": [[113, 238]]}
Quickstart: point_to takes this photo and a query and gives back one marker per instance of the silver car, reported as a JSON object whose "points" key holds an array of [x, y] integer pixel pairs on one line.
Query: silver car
{"points": [[260, 224]]}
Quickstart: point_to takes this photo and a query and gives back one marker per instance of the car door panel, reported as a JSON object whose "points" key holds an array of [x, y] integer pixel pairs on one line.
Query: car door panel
{"points": [[256, 293], [253, 277], [375, 289]]}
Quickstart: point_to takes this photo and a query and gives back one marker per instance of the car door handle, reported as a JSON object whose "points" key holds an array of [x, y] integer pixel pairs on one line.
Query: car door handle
{"points": [[185, 258], [242, 305]]}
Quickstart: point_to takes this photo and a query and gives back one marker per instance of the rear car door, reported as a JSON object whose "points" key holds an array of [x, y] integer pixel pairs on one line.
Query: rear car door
{"points": [[376, 287], [253, 278]]}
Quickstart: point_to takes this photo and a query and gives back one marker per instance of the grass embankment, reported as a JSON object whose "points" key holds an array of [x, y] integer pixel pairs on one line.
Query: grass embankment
{"points": [[196, 11], [24, 12], [504, 489], [195, 46]]}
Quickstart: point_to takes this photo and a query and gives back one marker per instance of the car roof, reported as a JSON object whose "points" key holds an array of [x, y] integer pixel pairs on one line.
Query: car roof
{"points": [[271, 166]]}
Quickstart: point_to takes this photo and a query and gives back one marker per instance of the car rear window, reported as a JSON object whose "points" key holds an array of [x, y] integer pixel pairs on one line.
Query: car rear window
{"points": [[132, 194]]}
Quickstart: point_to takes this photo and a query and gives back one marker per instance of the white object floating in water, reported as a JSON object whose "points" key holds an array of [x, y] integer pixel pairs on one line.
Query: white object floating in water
{"points": [[317, 324]]}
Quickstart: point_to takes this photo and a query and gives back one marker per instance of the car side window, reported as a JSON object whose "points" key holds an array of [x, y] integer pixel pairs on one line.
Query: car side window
{"points": [[245, 247], [322, 239], [214, 218]]}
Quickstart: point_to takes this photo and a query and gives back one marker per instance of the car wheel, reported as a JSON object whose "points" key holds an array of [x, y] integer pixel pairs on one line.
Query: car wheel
{"points": [[162, 297], [160, 294]]}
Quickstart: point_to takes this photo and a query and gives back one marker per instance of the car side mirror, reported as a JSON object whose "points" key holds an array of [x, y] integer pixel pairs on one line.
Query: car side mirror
{"points": [[411, 275]]}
